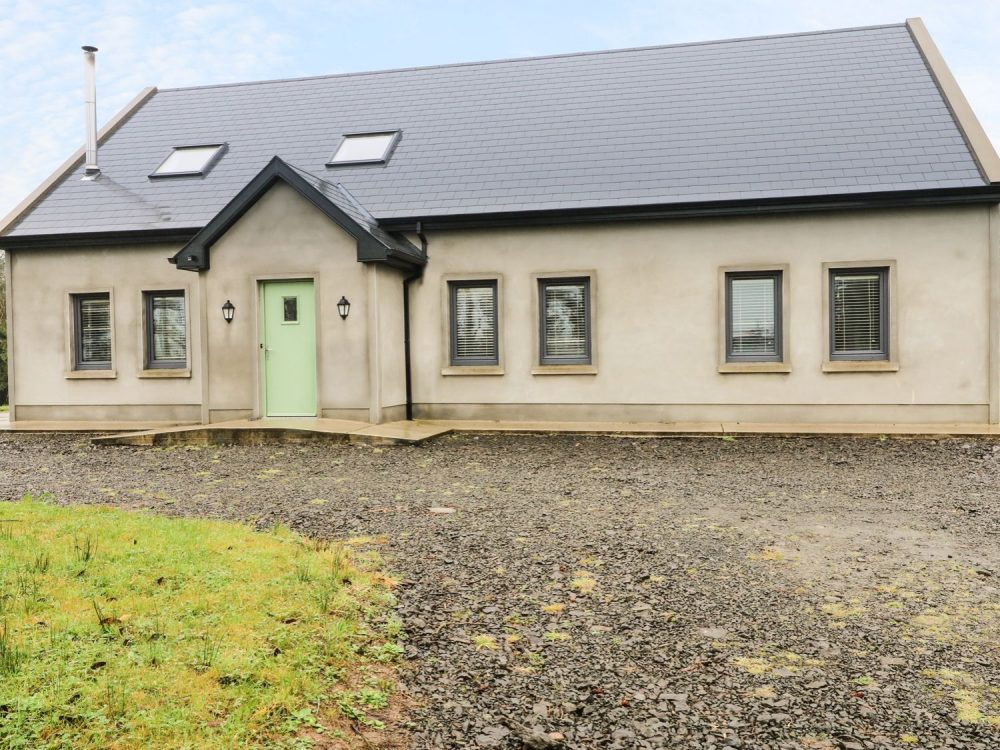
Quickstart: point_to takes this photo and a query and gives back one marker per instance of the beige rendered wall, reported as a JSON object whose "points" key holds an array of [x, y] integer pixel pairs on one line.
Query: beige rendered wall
{"points": [[386, 350], [45, 386], [283, 236], [657, 324]]}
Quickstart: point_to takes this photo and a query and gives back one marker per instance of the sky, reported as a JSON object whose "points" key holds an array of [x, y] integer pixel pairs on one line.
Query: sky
{"points": [[183, 43]]}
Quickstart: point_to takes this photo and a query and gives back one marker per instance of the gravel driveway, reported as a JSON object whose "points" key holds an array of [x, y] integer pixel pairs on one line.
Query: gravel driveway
{"points": [[636, 593]]}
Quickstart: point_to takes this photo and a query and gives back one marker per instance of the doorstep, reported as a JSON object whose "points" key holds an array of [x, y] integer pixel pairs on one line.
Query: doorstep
{"points": [[277, 430]]}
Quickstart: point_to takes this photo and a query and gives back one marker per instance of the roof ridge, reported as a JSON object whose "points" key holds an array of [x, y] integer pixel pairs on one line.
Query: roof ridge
{"points": [[532, 58]]}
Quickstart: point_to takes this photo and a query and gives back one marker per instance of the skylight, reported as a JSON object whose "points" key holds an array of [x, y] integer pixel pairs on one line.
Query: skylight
{"points": [[189, 160], [365, 148]]}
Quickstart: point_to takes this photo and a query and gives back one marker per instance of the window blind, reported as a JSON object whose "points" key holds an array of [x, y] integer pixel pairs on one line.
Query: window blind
{"points": [[858, 313], [94, 331], [167, 329], [474, 321], [753, 316], [565, 324]]}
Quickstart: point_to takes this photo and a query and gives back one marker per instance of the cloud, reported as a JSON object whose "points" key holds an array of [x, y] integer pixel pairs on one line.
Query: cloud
{"points": [[186, 42], [141, 44]]}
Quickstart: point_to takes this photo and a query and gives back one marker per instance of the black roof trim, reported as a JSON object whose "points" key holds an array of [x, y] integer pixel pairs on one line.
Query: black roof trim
{"points": [[98, 239], [753, 207], [195, 255], [844, 202]]}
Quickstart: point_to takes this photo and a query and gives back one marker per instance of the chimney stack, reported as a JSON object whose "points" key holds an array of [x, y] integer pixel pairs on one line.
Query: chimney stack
{"points": [[91, 170]]}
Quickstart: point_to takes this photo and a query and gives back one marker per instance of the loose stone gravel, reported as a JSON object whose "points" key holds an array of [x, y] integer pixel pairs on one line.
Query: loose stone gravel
{"points": [[604, 592]]}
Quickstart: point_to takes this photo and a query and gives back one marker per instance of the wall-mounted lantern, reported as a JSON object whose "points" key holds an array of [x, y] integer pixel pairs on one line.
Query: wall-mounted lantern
{"points": [[344, 308], [228, 311]]}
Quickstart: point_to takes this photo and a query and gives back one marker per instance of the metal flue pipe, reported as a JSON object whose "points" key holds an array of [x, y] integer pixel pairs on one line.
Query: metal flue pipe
{"points": [[91, 169]]}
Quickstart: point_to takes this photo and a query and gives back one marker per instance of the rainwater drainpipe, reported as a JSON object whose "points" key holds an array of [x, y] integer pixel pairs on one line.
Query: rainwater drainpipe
{"points": [[406, 323]]}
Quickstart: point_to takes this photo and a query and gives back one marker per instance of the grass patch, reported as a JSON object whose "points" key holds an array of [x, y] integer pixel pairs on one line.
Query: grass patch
{"points": [[975, 700], [769, 554], [121, 630], [583, 582], [485, 643]]}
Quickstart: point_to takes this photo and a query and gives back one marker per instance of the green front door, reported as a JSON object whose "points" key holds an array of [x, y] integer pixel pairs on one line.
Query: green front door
{"points": [[288, 344]]}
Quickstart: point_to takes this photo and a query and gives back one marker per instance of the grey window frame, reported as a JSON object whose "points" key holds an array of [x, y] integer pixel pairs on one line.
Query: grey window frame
{"points": [[384, 159], [221, 149], [454, 360], [588, 358], [884, 332], [150, 362], [777, 277], [78, 363]]}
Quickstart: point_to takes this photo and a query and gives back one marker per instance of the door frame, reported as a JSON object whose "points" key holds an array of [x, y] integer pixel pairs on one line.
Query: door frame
{"points": [[257, 287]]}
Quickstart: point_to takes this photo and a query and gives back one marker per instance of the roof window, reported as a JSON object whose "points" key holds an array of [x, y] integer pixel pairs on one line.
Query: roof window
{"points": [[188, 161], [365, 148]]}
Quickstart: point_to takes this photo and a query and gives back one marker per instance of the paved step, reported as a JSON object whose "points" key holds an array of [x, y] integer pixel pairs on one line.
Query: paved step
{"points": [[282, 430]]}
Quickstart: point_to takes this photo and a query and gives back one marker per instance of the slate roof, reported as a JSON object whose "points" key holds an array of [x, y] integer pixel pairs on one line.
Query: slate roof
{"points": [[342, 198], [815, 114]]}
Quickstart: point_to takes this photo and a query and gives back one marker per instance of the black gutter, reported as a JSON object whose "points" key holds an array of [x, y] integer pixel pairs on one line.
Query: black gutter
{"points": [[752, 207], [406, 323], [98, 239]]}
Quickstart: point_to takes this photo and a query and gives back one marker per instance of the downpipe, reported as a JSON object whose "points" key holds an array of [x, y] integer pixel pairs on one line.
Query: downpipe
{"points": [[407, 367]]}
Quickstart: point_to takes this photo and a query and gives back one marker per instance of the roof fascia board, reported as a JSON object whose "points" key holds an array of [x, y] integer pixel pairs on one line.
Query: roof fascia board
{"points": [[74, 161], [856, 201], [972, 130], [843, 202], [99, 239]]}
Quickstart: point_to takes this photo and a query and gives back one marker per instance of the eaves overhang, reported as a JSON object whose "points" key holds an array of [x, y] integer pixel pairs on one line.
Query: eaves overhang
{"points": [[196, 254], [987, 194], [63, 240], [369, 250]]}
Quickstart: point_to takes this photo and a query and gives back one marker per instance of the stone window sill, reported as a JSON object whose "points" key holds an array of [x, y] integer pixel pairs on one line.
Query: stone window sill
{"points": [[861, 365], [564, 370], [165, 373], [91, 374], [472, 370], [749, 367]]}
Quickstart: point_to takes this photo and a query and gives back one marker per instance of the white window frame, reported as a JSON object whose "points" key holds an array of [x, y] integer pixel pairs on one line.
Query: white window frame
{"points": [[220, 150], [383, 159]]}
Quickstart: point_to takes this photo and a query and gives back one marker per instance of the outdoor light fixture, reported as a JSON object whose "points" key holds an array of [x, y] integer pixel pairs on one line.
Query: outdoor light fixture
{"points": [[228, 311], [344, 307]]}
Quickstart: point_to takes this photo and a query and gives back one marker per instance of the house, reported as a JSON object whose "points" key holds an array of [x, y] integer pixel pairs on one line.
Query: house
{"points": [[798, 228]]}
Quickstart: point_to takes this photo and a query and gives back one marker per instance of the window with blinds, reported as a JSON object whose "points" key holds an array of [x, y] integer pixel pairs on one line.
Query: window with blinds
{"points": [[474, 325], [166, 330], [753, 317], [565, 321], [859, 313], [92, 331]]}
